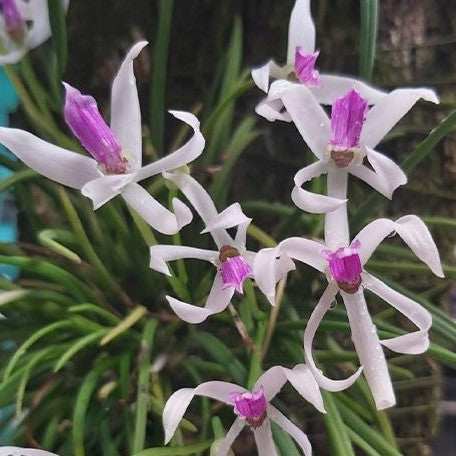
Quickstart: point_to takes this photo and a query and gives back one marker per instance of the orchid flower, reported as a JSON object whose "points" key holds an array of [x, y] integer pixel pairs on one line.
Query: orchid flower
{"points": [[24, 25], [301, 60], [116, 164], [231, 259], [16, 451], [341, 142], [344, 268], [252, 408]]}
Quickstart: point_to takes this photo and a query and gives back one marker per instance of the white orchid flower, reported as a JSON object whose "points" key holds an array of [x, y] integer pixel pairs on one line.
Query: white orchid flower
{"points": [[253, 409], [231, 259], [16, 451], [341, 142], [344, 268], [24, 25], [301, 59], [115, 168]]}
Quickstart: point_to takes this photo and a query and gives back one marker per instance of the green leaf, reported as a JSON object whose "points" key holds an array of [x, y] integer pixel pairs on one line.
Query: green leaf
{"points": [[176, 451], [285, 444], [367, 37], [59, 34]]}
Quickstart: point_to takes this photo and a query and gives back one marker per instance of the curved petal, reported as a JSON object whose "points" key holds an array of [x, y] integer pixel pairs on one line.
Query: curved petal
{"points": [[291, 428], [104, 188], [36, 11], [272, 109], [369, 350], [262, 74], [382, 117], [300, 377], [192, 149], [230, 437], [161, 254], [313, 202], [307, 114], [264, 441], [413, 232], [217, 301], [153, 213], [301, 30], [228, 218], [54, 162], [16, 451], [125, 111], [304, 250], [412, 343], [371, 178], [309, 333], [178, 403], [333, 87]]}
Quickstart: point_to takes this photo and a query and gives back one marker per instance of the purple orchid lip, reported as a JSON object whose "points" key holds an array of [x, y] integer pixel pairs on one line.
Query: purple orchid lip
{"points": [[251, 406], [305, 68], [345, 266], [13, 20], [347, 118], [85, 121], [233, 268]]}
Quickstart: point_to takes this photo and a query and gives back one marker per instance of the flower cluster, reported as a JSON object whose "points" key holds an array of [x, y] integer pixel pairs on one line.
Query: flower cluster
{"points": [[343, 143]]}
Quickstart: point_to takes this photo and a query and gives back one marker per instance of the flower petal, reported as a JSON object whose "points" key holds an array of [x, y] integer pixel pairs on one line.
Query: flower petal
{"points": [[264, 441], [369, 350], [308, 116], [313, 202], [228, 218], [161, 254], [304, 250], [54, 162], [178, 403], [309, 333], [36, 11], [333, 87], [12, 56], [272, 109], [104, 188], [382, 117], [16, 451], [412, 343], [153, 213], [230, 437], [291, 428], [413, 232], [125, 111], [192, 149], [301, 30], [262, 74], [217, 301]]}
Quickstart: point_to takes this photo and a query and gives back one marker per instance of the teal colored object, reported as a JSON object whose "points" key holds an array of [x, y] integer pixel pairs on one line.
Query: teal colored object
{"points": [[8, 220]]}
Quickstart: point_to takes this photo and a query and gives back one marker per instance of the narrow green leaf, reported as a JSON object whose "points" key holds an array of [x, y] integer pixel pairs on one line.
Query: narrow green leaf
{"points": [[176, 451], [48, 239], [284, 443], [368, 37], [59, 34]]}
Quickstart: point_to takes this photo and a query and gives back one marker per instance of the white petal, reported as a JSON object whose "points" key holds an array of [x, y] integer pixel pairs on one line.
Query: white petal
{"points": [[291, 428], [16, 451], [36, 11], [313, 202], [217, 301], [301, 30], [265, 273], [261, 75], [178, 403], [413, 232], [104, 188], [180, 157], [369, 350], [304, 250], [230, 437], [333, 87], [264, 441], [272, 109], [371, 178], [228, 218], [61, 165], [309, 333], [125, 111], [161, 254], [412, 343], [382, 117], [300, 377], [307, 114], [153, 213], [12, 56], [200, 200]]}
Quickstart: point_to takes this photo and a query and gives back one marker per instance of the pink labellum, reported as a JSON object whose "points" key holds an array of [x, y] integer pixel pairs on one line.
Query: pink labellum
{"points": [[233, 268], [13, 20], [251, 406], [305, 68]]}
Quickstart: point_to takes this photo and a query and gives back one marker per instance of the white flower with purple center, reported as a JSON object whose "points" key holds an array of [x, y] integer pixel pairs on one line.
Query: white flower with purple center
{"points": [[253, 409], [301, 61], [343, 141], [17, 451], [24, 25], [231, 259], [115, 168], [344, 268]]}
